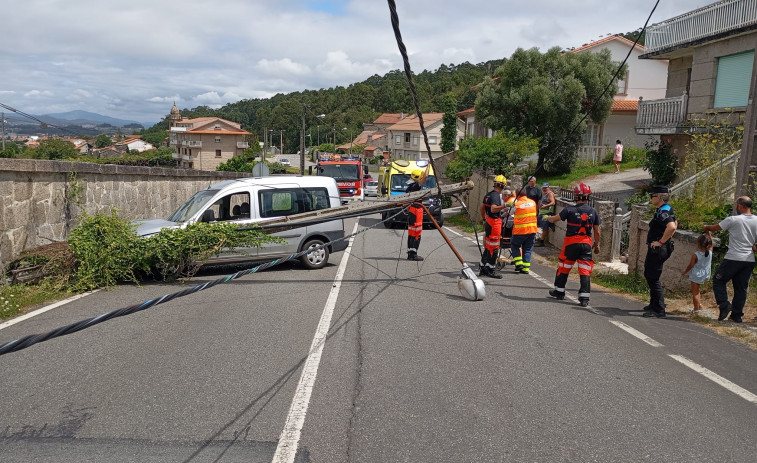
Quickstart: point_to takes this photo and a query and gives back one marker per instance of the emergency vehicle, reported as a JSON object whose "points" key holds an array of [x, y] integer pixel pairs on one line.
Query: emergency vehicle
{"points": [[393, 181], [348, 173]]}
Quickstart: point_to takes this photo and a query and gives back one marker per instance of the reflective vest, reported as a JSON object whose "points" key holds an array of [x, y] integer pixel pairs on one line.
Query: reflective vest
{"points": [[524, 222]]}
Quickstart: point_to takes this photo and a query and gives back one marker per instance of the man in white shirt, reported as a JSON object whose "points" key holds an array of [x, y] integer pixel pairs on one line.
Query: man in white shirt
{"points": [[738, 263]]}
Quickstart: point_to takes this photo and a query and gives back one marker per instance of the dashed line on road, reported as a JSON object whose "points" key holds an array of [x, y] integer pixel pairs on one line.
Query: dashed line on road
{"points": [[289, 440], [636, 333], [712, 376], [44, 309]]}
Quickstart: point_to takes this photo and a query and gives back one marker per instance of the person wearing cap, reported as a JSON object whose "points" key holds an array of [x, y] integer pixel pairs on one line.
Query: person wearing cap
{"points": [[738, 263], [415, 215], [508, 199], [546, 209], [491, 209], [524, 231], [662, 227]]}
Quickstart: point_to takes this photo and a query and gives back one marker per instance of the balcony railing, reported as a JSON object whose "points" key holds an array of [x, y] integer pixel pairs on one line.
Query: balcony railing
{"points": [[656, 117], [243, 144], [701, 23], [191, 143], [591, 153]]}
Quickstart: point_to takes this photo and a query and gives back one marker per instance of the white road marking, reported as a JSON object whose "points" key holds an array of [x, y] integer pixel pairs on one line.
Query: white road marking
{"points": [[636, 333], [712, 376], [44, 309], [289, 439]]}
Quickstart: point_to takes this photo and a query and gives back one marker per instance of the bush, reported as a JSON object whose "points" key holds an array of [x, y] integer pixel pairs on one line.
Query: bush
{"points": [[661, 161]]}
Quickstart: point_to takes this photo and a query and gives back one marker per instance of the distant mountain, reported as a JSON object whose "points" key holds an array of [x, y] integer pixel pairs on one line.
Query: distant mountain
{"points": [[84, 118]]}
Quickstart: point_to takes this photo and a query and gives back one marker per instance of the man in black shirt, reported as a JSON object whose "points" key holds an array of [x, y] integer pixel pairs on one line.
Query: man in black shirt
{"points": [[533, 191], [662, 227]]}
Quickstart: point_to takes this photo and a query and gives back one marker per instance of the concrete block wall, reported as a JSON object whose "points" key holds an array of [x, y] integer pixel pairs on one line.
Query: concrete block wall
{"points": [[606, 211], [685, 245], [42, 201]]}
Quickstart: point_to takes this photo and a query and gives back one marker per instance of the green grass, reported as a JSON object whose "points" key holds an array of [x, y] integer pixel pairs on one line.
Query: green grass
{"points": [[18, 299], [633, 283], [462, 221]]}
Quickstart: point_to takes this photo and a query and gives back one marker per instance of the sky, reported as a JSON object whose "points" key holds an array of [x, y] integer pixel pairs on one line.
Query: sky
{"points": [[132, 60]]}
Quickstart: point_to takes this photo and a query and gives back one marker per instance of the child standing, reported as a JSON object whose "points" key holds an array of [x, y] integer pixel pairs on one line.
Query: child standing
{"points": [[700, 266]]}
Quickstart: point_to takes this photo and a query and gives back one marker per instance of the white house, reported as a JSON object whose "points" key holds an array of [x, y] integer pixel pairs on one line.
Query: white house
{"points": [[644, 78]]}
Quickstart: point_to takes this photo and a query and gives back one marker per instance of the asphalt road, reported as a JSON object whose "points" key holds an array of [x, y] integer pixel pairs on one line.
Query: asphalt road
{"points": [[409, 371]]}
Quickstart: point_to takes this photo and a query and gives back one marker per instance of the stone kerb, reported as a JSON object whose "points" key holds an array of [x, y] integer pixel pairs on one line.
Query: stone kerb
{"points": [[43, 200]]}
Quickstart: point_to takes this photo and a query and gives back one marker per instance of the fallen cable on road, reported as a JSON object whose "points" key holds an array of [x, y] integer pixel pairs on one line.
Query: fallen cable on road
{"points": [[30, 340]]}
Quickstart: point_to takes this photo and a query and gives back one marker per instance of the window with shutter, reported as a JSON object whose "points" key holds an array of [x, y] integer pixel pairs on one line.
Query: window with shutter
{"points": [[734, 76]]}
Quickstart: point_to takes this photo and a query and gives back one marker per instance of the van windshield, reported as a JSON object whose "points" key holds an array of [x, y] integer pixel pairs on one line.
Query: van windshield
{"points": [[193, 204], [399, 182]]}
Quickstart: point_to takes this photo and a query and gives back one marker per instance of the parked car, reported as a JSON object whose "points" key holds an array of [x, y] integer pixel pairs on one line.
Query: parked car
{"points": [[371, 188], [285, 162], [257, 200]]}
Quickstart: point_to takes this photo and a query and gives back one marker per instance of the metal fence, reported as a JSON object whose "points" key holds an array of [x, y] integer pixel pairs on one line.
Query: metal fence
{"points": [[704, 22]]}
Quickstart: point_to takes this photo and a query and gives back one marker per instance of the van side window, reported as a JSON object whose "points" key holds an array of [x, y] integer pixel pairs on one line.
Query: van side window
{"points": [[231, 207], [281, 202]]}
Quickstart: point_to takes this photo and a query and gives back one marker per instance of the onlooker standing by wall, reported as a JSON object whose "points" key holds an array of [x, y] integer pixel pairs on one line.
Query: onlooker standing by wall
{"points": [[533, 191], [546, 209], [700, 267], [662, 227], [738, 263], [618, 156]]}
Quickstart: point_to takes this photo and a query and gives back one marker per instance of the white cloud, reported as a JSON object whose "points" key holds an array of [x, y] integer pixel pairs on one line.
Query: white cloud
{"points": [[38, 94], [126, 64], [286, 65]]}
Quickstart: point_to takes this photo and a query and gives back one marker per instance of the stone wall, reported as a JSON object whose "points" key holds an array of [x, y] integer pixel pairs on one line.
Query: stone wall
{"points": [[606, 211], [685, 243], [43, 200]]}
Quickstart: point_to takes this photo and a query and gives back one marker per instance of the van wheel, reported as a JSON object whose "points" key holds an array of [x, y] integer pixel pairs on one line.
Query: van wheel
{"points": [[316, 259], [384, 216]]}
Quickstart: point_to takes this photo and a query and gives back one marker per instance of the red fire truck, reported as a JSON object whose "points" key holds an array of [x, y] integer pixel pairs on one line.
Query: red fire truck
{"points": [[348, 173]]}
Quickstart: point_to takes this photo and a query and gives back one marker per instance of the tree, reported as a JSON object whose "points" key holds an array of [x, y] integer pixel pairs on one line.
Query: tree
{"points": [[102, 141], [547, 95], [156, 138], [449, 130], [497, 155], [56, 149]]}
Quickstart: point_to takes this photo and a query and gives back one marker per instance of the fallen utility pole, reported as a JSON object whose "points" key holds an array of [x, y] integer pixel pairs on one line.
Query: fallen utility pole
{"points": [[358, 209]]}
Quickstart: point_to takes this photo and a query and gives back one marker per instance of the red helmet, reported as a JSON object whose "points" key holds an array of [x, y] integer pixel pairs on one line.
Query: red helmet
{"points": [[581, 189]]}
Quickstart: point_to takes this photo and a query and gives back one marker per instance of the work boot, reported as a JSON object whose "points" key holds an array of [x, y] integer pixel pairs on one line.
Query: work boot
{"points": [[415, 257], [584, 302], [494, 274], [518, 268], [557, 294], [483, 272]]}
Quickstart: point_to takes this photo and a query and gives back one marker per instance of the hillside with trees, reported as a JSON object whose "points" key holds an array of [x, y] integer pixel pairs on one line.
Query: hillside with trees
{"points": [[347, 107]]}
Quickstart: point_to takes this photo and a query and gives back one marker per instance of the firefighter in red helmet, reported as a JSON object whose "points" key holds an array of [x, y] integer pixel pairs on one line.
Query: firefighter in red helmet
{"points": [[582, 225]]}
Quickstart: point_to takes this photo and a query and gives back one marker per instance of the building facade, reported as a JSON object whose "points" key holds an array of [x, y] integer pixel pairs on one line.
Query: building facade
{"points": [[711, 75], [406, 139], [205, 142]]}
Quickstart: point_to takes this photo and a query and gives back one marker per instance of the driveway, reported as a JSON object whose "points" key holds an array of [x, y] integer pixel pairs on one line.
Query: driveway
{"points": [[619, 186]]}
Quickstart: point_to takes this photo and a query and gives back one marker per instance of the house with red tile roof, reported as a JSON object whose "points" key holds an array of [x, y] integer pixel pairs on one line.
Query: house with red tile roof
{"points": [[406, 139], [643, 79], [205, 142]]}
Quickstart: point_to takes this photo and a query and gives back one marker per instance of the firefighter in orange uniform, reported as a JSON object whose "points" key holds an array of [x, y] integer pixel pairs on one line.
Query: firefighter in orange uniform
{"points": [[415, 216], [582, 221], [490, 211], [524, 232]]}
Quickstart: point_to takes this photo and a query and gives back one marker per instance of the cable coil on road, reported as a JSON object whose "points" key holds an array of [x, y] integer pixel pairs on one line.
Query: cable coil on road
{"points": [[30, 340]]}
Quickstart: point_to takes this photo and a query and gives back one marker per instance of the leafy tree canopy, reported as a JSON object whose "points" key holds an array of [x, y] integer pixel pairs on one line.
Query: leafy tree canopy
{"points": [[497, 155], [102, 141], [547, 95], [449, 129], [56, 150]]}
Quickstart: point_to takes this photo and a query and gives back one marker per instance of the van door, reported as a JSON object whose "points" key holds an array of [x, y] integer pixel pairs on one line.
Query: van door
{"points": [[234, 208], [281, 202]]}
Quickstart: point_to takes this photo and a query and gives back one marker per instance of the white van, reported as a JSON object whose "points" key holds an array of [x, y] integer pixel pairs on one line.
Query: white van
{"points": [[256, 200]]}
